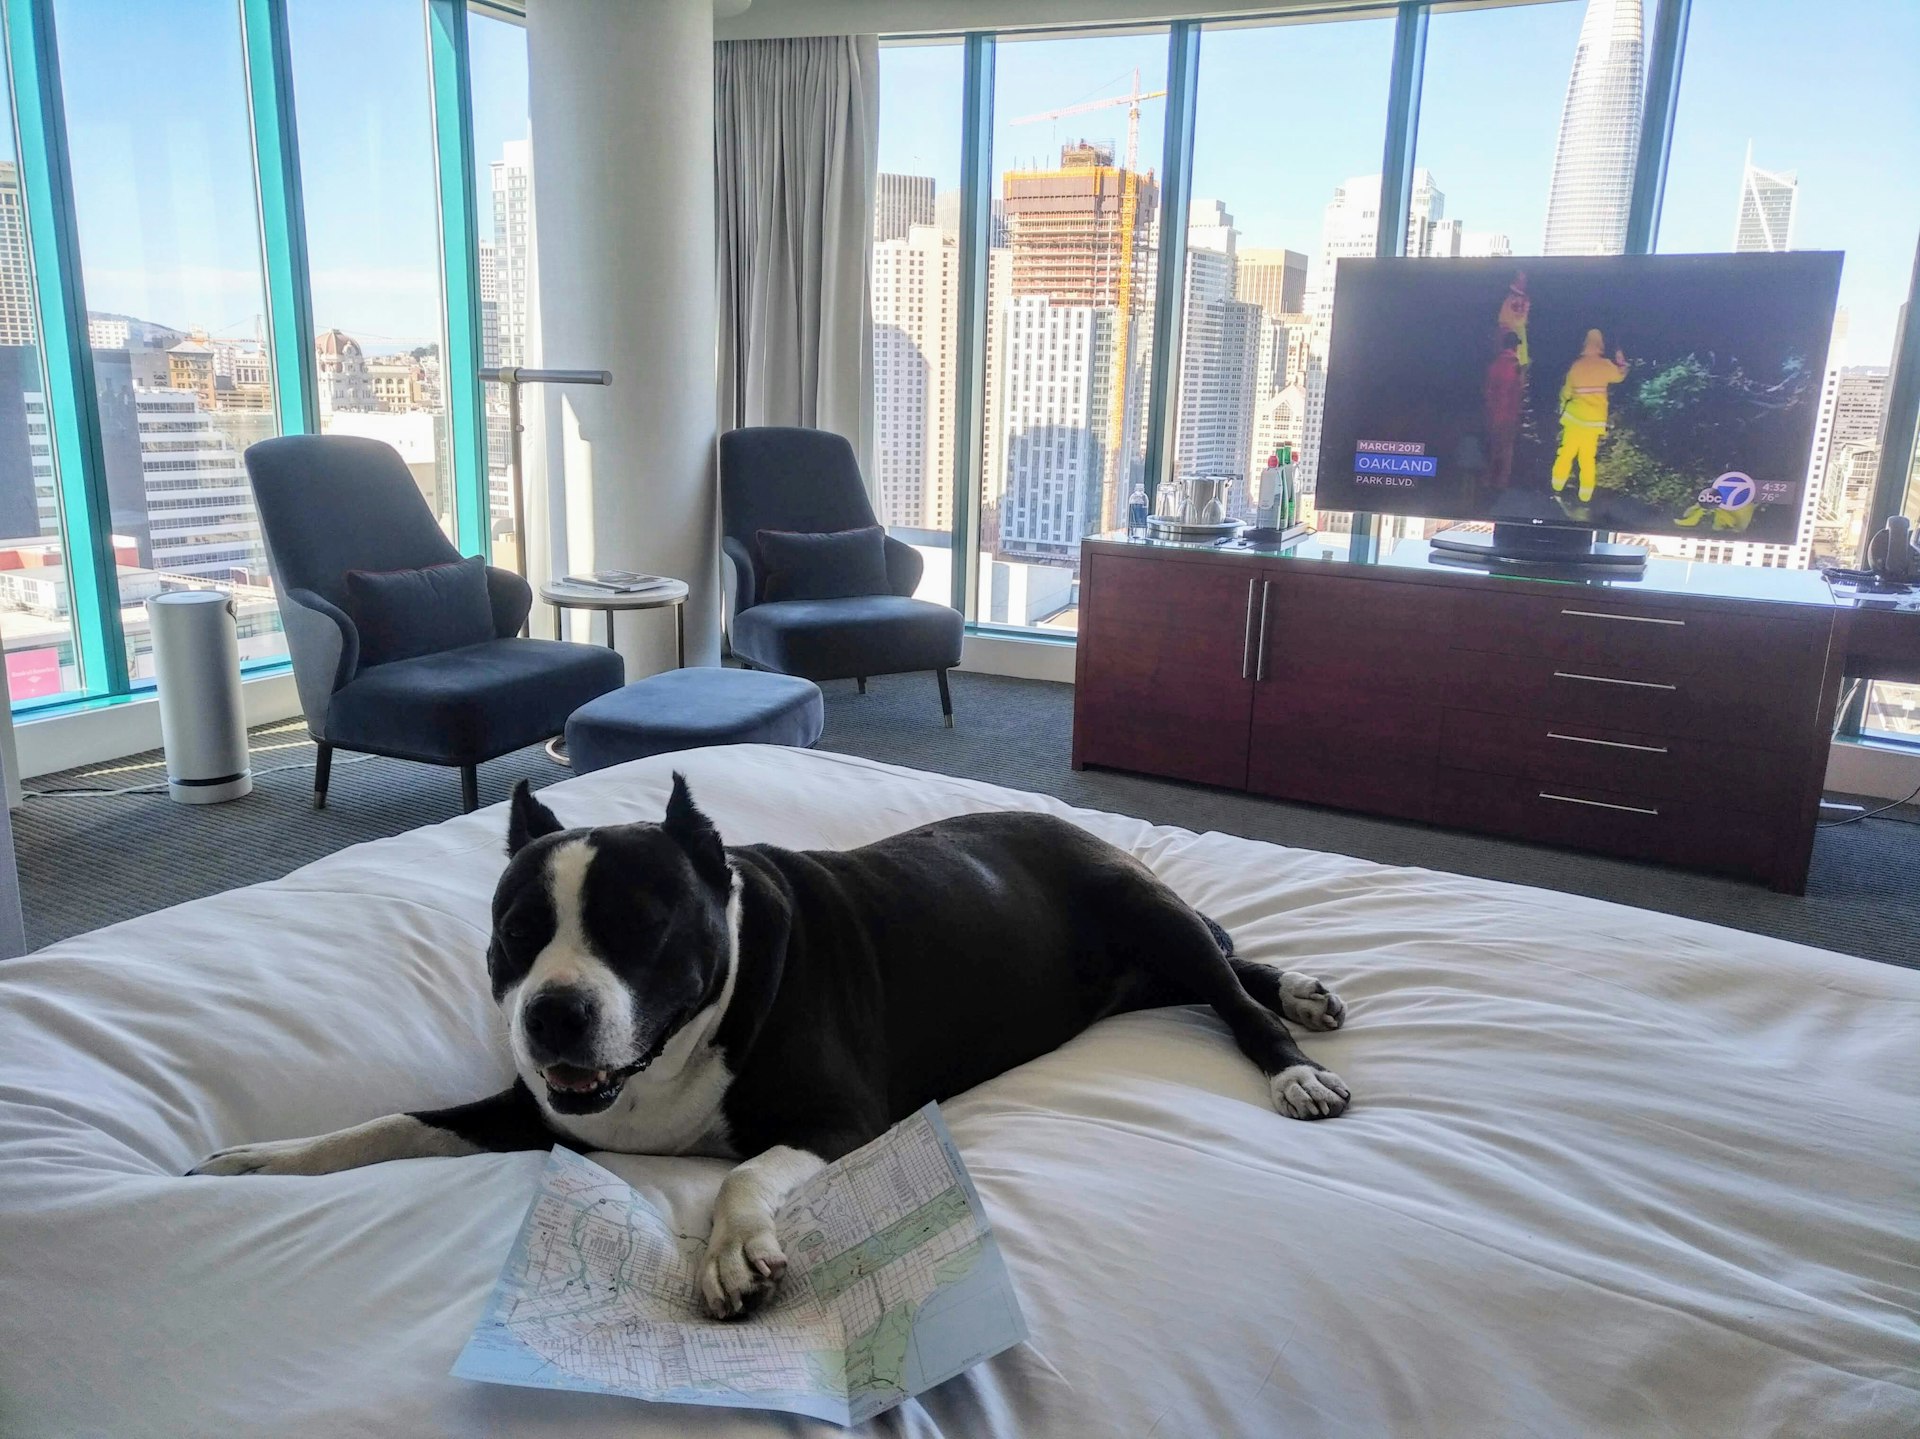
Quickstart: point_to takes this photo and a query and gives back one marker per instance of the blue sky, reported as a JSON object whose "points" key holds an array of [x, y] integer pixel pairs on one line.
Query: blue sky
{"points": [[162, 163], [162, 168], [1287, 112]]}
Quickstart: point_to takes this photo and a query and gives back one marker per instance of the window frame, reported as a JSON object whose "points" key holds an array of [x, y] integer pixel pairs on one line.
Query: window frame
{"points": [[31, 46]]}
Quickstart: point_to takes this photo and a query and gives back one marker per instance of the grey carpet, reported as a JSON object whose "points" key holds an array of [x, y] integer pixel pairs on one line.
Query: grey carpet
{"points": [[89, 860]]}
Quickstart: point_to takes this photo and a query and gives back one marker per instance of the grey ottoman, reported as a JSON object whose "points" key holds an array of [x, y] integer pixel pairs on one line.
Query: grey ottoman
{"points": [[685, 709]]}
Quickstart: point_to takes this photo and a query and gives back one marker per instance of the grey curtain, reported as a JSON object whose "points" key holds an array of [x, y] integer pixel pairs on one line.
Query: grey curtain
{"points": [[795, 139]]}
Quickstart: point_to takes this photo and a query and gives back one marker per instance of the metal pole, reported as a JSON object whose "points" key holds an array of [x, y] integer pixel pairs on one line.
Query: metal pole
{"points": [[513, 377]]}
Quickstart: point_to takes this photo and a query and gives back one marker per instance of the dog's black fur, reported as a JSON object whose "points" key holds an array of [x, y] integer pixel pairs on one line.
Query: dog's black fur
{"points": [[871, 980], [806, 1000]]}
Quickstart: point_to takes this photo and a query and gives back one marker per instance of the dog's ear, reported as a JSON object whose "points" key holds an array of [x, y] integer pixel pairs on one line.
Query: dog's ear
{"points": [[528, 819], [695, 834]]}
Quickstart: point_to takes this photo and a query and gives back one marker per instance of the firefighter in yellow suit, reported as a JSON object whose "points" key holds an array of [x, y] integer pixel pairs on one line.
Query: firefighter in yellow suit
{"points": [[1583, 413]]}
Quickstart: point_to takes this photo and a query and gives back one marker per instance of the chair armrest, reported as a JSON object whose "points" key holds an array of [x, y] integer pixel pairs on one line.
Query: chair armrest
{"points": [[904, 566], [745, 582], [511, 598], [324, 647]]}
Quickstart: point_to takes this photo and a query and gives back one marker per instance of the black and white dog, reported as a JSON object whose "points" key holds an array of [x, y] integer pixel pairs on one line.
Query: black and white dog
{"points": [[668, 995]]}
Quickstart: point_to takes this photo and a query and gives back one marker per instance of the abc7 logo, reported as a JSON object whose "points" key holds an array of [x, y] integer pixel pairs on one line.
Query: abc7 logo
{"points": [[1732, 491]]}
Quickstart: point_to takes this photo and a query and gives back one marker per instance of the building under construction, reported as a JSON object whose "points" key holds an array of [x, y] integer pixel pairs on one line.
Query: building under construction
{"points": [[1081, 237]]}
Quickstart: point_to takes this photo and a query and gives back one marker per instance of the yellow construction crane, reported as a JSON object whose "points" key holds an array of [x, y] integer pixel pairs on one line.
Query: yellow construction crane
{"points": [[1110, 495]]}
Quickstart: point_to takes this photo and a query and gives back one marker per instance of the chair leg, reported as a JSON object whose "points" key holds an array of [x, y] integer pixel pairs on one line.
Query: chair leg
{"points": [[469, 788], [322, 772], [946, 697], [862, 682]]}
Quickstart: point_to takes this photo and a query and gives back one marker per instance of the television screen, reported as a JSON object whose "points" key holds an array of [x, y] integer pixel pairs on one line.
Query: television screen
{"points": [[1665, 394]]}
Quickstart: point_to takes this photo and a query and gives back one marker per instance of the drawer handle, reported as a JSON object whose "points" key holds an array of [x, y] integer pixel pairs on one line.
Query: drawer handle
{"points": [[1604, 680], [1609, 743], [1598, 803], [1246, 635], [1631, 619], [1260, 654]]}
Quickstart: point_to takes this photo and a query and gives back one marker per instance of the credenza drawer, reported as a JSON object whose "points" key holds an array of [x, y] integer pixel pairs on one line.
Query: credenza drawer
{"points": [[1732, 703], [1626, 762], [1617, 634], [1701, 834]]}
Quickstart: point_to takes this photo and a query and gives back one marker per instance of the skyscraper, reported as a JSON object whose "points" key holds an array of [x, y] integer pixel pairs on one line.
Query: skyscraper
{"points": [[1599, 134], [899, 203], [915, 348], [1082, 236], [1768, 199], [1275, 280], [512, 247], [1218, 357], [16, 283]]}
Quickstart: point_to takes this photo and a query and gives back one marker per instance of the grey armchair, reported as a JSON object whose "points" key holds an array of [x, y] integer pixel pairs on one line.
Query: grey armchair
{"points": [[333, 503], [779, 478]]}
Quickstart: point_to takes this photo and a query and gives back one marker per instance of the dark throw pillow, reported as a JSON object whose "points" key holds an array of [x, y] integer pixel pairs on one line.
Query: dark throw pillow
{"points": [[834, 566], [405, 613]]}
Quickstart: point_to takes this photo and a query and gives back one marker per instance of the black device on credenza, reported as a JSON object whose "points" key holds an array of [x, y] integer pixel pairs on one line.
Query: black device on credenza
{"points": [[1554, 397]]}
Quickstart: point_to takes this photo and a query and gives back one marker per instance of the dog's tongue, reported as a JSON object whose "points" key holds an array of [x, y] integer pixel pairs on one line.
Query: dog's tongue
{"points": [[571, 1076]]}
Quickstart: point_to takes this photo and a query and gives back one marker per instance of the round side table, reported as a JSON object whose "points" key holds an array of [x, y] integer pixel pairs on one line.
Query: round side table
{"points": [[563, 596]]}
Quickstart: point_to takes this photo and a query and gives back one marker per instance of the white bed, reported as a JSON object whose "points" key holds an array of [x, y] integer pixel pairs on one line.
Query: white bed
{"points": [[1606, 1171]]}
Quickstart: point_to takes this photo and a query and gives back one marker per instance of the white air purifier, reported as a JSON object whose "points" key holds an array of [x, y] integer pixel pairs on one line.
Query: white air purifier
{"points": [[196, 664]]}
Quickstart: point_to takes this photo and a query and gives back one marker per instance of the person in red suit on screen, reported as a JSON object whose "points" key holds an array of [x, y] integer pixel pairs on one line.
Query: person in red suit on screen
{"points": [[1501, 394]]}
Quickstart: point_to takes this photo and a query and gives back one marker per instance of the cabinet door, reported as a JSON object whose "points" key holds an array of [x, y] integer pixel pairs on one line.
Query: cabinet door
{"points": [[1346, 710], [1165, 667]]}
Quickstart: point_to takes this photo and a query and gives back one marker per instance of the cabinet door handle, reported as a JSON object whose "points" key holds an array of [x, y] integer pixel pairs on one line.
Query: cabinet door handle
{"points": [[1246, 634], [1629, 619], [1260, 651], [1609, 743], [1604, 680], [1598, 803]]}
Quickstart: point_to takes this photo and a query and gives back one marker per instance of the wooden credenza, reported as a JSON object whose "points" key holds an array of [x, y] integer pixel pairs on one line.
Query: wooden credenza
{"points": [[1682, 717]]}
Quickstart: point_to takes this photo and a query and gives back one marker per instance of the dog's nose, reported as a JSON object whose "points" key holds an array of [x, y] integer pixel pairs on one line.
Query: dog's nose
{"points": [[560, 1021]]}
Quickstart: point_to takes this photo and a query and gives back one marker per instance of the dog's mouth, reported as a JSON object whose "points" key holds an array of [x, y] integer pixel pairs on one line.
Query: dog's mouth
{"points": [[575, 1089]]}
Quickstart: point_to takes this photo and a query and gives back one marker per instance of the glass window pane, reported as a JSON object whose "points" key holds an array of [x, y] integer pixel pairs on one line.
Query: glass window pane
{"points": [[503, 165], [365, 117], [1078, 127], [36, 601], [1529, 124], [1272, 214], [1750, 173], [169, 232], [1529, 128], [916, 302]]}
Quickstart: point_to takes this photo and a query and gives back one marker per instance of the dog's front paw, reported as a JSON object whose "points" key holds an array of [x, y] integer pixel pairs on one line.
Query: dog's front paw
{"points": [[1307, 1002], [274, 1156], [743, 1266], [1306, 1091]]}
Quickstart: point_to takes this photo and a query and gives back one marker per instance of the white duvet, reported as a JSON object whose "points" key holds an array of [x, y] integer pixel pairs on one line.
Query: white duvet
{"points": [[1607, 1172]]}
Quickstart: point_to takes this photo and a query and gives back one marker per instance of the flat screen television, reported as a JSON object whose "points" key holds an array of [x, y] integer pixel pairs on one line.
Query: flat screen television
{"points": [[1655, 394]]}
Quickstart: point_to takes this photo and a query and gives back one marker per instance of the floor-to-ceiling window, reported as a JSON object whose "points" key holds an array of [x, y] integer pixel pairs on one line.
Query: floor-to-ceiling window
{"points": [[36, 598], [169, 235], [365, 120], [1829, 169], [1077, 141], [1289, 123], [916, 302], [503, 172]]}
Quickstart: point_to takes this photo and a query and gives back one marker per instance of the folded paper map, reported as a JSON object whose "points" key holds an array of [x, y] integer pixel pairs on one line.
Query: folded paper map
{"points": [[894, 1283]]}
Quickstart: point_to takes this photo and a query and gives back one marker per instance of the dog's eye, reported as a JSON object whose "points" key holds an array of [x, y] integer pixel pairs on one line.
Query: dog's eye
{"points": [[516, 930]]}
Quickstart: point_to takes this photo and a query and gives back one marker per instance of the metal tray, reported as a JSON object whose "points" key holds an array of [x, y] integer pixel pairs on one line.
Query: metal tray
{"points": [[1165, 528]]}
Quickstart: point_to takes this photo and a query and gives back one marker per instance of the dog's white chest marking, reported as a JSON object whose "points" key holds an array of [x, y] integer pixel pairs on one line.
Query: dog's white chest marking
{"points": [[672, 1106]]}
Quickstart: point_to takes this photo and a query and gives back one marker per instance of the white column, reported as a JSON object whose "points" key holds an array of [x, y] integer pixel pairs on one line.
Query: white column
{"points": [[622, 111]]}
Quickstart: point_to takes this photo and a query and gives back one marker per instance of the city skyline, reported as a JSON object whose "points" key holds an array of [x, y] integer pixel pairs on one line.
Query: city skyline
{"points": [[1251, 376], [1494, 144]]}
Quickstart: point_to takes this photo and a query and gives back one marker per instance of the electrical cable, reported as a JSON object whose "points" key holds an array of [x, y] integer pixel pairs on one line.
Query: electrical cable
{"points": [[1911, 795]]}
